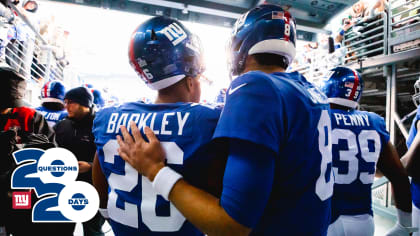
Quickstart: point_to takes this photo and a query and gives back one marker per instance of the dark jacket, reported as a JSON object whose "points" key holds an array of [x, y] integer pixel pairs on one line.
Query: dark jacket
{"points": [[76, 136], [24, 121], [25, 127]]}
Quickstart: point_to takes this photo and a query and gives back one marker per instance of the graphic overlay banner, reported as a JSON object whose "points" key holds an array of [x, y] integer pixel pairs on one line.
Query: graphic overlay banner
{"points": [[52, 176]]}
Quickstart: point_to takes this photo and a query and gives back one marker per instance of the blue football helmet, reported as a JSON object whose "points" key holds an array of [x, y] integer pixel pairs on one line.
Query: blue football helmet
{"points": [[89, 86], [53, 91], [162, 52], [265, 29], [98, 99], [343, 86]]}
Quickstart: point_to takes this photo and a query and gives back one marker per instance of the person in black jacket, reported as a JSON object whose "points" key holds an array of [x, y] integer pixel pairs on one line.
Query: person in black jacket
{"points": [[20, 126], [75, 134]]}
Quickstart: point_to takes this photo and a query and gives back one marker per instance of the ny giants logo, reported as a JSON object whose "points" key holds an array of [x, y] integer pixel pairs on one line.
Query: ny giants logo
{"points": [[21, 200]]}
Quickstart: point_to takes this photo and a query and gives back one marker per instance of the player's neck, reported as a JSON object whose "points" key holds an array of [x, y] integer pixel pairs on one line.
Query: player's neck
{"points": [[252, 65], [163, 98], [265, 69], [339, 107]]}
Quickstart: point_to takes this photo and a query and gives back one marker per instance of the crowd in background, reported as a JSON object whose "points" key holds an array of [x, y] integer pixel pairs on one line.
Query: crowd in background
{"points": [[21, 46], [318, 56]]}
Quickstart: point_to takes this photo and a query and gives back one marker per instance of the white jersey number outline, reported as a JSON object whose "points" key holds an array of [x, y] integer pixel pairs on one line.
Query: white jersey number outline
{"points": [[324, 189], [127, 182], [350, 155]]}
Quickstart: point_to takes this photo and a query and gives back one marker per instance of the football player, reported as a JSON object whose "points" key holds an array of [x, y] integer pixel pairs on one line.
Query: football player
{"points": [[168, 57], [278, 178], [52, 98], [411, 159], [360, 144]]}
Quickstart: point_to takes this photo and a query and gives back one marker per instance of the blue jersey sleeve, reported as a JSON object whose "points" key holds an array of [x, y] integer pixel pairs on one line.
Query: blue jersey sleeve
{"points": [[380, 127], [252, 112], [208, 116], [247, 181]]}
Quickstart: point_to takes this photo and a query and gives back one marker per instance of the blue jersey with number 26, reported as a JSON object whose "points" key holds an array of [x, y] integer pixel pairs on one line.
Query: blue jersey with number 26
{"points": [[358, 139], [415, 183], [184, 130], [289, 116]]}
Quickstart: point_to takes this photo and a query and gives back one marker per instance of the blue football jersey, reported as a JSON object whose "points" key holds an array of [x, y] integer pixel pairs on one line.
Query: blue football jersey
{"points": [[415, 183], [358, 138], [52, 116], [288, 115], [185, 131]]}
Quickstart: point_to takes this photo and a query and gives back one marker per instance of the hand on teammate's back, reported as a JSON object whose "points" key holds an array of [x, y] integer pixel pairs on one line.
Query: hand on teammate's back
{"points": [[146, 157]]}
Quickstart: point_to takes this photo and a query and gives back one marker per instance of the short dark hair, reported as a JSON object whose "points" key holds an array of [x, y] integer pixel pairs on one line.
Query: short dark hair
{"points": [[269, 59]]}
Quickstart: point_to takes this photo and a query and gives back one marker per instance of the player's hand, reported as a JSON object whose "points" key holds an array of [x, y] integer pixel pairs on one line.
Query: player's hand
{"points": [[399, 230], [146, 157], [84, 166]]}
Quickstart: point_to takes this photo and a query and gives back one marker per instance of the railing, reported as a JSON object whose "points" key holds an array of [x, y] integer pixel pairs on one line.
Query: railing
{"points": [[382, 200], [30, 54], [366, 38], [381, 35], [403, 35], [370, 39]]}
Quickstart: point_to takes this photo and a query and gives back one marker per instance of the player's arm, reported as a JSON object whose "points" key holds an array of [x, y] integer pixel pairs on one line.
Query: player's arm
{"points": [[390, 165], [247, 184], [101, 185], [228, 216], [411, 159]]}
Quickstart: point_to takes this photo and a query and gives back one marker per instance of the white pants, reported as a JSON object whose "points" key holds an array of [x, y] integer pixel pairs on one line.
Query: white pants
{"points": [[357, 225], [415, 215]]}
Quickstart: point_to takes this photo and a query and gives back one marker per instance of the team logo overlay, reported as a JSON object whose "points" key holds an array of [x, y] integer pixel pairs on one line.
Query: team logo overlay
{"points": [[21, 200], [52, 176]]}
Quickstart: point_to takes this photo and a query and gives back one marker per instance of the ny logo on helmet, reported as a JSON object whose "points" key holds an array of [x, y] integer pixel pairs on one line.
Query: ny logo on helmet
{"points": [[174, 33]]}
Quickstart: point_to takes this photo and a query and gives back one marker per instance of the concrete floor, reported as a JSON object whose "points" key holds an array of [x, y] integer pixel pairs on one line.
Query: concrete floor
{"points": [[382, 225]]}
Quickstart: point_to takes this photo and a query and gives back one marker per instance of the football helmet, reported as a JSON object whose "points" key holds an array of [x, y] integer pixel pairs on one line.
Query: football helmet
{"points": [[89, 86], [53, 91], [343, 86], [98, 99], [416, 95], [265, 29], [162, 52]]}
